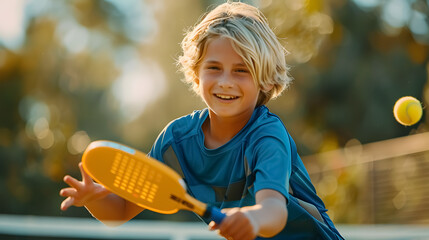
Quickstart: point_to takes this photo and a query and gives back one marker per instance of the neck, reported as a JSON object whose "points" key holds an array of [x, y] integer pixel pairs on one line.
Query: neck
{"points": [[219, 130]]}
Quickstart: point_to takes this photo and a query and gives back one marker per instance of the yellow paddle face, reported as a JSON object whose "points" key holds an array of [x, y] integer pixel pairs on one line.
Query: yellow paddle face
{"points": [[135, 177]]}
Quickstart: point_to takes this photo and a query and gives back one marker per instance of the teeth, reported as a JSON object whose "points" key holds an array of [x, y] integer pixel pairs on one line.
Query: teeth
{"points": [[225, 97]]}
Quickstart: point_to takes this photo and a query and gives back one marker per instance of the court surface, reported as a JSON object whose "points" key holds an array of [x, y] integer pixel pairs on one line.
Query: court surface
{"points": [[38, 227]]}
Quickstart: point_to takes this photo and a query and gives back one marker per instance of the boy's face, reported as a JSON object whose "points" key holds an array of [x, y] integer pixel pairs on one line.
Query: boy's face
{"points": [[224, 81]]}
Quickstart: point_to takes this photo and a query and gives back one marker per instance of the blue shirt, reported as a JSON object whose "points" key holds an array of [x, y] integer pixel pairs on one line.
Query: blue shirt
{"points": [[261, 156]]}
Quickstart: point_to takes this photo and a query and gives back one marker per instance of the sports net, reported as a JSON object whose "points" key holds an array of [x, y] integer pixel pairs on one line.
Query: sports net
{"points": [[62, 228]]}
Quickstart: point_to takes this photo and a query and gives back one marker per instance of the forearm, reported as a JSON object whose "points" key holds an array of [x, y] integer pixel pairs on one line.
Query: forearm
{"points": [[270, 215], [112, 210]]}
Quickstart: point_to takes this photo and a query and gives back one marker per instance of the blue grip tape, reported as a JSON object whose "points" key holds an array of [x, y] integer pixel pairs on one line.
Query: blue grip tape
{"points": [[216, 215]]}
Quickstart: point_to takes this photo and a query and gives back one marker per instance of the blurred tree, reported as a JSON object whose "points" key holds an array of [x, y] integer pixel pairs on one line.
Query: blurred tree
{"points": [[55, 95], [353, 73]]}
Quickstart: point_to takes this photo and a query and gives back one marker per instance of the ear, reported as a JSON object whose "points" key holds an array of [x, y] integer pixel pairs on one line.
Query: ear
{"points": [[267, 88]]}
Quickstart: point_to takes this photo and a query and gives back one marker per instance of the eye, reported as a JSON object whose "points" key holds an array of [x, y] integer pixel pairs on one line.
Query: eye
{"points": [[242, 70], [213, 67]]}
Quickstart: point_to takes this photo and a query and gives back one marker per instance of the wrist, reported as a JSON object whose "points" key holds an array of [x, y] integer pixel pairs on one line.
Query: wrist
{"points": [[253, 222]]}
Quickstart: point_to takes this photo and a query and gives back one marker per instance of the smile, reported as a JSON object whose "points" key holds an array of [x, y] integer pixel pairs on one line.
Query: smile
{"points": [[226, 97]]}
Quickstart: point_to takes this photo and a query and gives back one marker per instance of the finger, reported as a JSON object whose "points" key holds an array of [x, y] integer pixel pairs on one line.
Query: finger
{"points": [[235, 225], [68, 192], [226, 210], [67, 203], [85, 177], [213, 226], [73, 182]]}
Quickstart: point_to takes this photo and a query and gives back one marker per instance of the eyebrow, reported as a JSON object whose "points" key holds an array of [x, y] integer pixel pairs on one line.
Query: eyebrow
{"points": [[218, 62]]}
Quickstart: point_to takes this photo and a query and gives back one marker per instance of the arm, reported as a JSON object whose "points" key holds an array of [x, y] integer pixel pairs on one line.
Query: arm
{"points": [[105, 206], [266, 218], [270, 212]]}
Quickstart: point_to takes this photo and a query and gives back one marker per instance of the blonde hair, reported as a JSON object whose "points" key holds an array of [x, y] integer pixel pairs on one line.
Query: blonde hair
{"points": [[251, 38]]}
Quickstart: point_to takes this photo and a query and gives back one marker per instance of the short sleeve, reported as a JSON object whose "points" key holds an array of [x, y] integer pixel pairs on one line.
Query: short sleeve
{"points": [[161, 141], [272, 165]]}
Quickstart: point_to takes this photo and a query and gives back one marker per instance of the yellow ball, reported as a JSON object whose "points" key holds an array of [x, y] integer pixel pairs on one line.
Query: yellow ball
{"points": [[407, 111]]}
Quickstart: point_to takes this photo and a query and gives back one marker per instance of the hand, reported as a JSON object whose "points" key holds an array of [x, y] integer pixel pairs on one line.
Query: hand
{"points": [[238, 225], [81, 192]]}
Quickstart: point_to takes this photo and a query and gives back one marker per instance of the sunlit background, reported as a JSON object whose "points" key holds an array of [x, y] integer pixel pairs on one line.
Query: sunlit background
{"points": [[72, 72]]}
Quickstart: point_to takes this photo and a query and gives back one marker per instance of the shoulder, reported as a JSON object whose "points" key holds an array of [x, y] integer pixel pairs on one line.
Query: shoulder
{"points": [[186, 125], [175, 131], [268, 133], [267, 124]]}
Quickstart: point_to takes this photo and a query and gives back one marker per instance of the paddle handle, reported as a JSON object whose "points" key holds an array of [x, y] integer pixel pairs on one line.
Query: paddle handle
{"points": [[215, 214]]}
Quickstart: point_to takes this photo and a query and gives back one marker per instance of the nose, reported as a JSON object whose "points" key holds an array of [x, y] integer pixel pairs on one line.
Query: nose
{"points": [[225, 81]]}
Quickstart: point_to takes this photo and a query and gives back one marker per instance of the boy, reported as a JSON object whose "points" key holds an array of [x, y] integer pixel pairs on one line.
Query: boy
{"points": [[234, 154]]}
